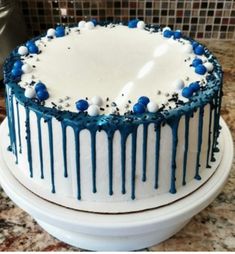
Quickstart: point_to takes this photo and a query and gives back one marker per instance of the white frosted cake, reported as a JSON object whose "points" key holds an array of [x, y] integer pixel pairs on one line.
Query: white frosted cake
{"points": [[113, 118]]}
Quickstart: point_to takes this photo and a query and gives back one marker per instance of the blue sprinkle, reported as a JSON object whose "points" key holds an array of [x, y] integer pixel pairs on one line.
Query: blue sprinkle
{"points": [[144, 100], [94, 21], [199, 50], [168, 33], [200, 69], [139, 108], [194, 86], [40, 86], [16, 72], [133, 23], [195, 44], [42, 95], [196, 62], [18, 64], [177, 34], [33, 49], [59, 31], [187, 92], [82, 105]]}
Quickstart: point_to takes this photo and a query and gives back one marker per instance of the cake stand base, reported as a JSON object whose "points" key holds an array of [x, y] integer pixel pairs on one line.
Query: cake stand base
{"points": [[117, 232]]}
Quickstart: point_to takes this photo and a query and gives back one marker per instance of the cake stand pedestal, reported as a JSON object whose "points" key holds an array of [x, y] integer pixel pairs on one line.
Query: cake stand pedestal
{"points": [[117, 232]]}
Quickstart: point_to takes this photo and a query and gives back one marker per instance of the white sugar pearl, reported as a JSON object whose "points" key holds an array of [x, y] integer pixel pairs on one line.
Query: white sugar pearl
{"points": [[209, 66], [89, 25], [178, 84], [26, 68], [141, 24], [93, 110], [23, 50], [166, 28], [97, 100], [187, 48], [51, 32], [152, 107], [81, 24], [29, 92]]}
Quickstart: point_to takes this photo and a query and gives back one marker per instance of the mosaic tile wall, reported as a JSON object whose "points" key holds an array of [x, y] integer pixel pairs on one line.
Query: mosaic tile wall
{"points": [[199, 19]]}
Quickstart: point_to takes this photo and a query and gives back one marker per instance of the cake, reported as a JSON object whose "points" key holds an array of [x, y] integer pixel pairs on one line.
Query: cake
{"points": [[113, 118]]}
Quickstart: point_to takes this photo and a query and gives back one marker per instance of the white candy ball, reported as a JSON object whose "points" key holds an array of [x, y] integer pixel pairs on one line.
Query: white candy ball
{"points": [[26, 68], [97, 100], [29, 93], [22, 50], [81, 24], [209, 66], [152, 107], [93, 110], [89, 25], [51, 32], [187, 48], [166, 28], [178, 84], [141, 24]]}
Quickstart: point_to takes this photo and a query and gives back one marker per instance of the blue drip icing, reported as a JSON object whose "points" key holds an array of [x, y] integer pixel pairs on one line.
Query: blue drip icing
{"points": [[77, 154], [209, 138], [28, 140], [18, 122], [214, 129], [93, 159], [123, 162], [133, 163], [186, 136], [199, 145], [157, 153], [110, 162], [40, 145], [145, 138], [50, 132], [64, 142]]}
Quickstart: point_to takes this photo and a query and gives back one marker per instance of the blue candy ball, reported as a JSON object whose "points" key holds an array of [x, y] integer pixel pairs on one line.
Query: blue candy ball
{"points": [[139, 108], [195, 44], [82, 105], [196, 62], [144, 100], [199, 50], [133, 23], [16, 72], [33, 49], [194, 86], [40, 87], [59, 31], [94, 21], [177, 34], [187, 92], [42, 95], [200, 69], [29, 43], [18, 64], [168, 33]]}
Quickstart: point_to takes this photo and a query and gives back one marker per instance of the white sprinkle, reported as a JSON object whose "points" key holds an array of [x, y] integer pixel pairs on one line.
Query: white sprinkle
{"points": [[51, 32], [178, 84], [26, 68], [81, 24], [140, 24], [97, 100], [89, 25], [22, 50], [29, 92], [152, 107], [93, 110], [209, 66]]}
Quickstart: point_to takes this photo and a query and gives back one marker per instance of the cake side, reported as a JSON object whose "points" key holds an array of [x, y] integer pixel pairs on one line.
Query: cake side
{"points": [[113, 158]]}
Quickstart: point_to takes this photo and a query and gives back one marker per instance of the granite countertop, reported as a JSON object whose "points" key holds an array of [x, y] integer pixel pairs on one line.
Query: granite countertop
{"points": [[213, 229]]}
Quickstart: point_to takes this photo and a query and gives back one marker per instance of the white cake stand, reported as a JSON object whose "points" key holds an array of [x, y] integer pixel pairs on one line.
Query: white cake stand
{"points": [[118, 232]]}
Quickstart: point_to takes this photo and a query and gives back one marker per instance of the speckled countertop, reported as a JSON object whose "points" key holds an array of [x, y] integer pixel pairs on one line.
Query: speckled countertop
{"points": [[213, 229]]}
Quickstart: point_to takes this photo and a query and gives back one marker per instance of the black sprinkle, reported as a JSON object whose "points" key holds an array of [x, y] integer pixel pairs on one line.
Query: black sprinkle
{"points": [[102, 109], [86, 98], [68, 47], [113, 104], [30, 56], [107, 105], [53, 104], [33, 66], [107, 99], [122, 94], [117, 108], [45, 45], [129, 101]]}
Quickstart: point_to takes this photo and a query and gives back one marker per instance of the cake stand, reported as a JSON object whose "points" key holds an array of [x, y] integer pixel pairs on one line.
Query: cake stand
{"points": [[117, 232]]}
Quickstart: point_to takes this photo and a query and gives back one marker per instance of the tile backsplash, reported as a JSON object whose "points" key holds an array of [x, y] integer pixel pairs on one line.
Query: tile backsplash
{"points": [[199, 19]]}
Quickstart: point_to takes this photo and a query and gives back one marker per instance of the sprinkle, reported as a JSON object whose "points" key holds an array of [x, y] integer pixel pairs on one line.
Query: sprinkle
{"points": [[159, 92], [122, 94], [129, 101], [102, 109], [107, 99], [53, 104], [107, 105], [67, 105], [37, 59], [59, 107], [67, 98], [117, 108], [86, 98], [113, 104], [167, 94], [60, 100], [33, 66]]}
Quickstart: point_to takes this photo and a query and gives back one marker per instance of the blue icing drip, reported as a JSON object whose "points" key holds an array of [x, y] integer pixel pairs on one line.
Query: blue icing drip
{"points": [[186, 137], [77, 154], [214, 128], [110, 162], [145, 138], [157, 153], [93, 159], [18, 122], [209, 138], [40, 145], [133, 163], [50, 132], [28, 140], [200, 130], [123, 162], [64, 143]]}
